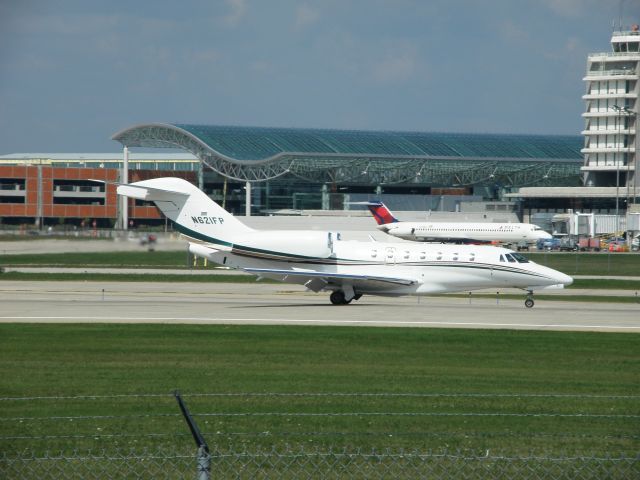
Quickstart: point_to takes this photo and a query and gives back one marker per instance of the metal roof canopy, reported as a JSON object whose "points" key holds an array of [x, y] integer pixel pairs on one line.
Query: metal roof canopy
{"points": [[370, 157]]}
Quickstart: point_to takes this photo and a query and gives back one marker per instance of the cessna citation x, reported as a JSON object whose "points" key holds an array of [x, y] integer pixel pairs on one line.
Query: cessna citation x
{"points": [[322, 261], [454, 232]]}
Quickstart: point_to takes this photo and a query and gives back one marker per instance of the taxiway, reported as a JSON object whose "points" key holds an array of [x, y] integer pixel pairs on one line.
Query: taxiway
{"points": [[274, 304]]}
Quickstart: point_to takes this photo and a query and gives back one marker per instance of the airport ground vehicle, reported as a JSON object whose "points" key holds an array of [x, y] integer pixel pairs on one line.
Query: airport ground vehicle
{"points": [[548, 244], [618, 246], [589, 243]]}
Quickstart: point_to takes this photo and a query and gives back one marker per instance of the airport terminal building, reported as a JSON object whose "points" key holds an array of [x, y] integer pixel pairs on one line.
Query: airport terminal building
{"points": [[287, 169]]}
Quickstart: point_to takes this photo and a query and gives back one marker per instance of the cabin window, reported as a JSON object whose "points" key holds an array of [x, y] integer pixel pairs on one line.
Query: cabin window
{"points": [[455, 256], [439, 256], [472, 257], [423, 255], [374, 253], [406, 254]]}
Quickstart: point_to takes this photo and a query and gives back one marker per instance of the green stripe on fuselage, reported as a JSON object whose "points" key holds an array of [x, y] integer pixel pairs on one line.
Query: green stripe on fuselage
{"points": [[285, 257]]}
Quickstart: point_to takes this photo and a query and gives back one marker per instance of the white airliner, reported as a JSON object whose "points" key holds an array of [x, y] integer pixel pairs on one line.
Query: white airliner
{"points": [[458, 232], [322, 261]]}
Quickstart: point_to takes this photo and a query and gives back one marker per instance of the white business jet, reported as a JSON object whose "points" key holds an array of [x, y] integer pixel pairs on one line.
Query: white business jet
{"points": [[322, 261], [457, 232]]}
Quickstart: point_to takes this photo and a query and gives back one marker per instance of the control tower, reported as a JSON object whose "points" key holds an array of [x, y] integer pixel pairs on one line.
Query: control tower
{"points": [[610, 145]]}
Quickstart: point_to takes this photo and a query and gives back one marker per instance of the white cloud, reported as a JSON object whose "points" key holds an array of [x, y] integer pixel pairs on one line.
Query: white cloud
{"points": [[572, 45], [69, 24], [262, 66], [514, 32], [305, 16], [574, 8], [238, 9], [396, 68]]}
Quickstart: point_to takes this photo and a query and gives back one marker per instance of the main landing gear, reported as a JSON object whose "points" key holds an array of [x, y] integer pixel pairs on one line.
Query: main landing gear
{"points": [[340, 298], [529, 301]]}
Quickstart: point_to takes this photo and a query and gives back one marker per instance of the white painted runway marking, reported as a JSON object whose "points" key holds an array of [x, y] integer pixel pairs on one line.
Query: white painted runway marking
{"points": [[386, 323]]}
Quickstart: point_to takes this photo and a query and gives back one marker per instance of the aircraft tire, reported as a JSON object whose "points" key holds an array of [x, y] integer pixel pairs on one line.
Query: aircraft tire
{"points": [[529, 302], [337, 298]]}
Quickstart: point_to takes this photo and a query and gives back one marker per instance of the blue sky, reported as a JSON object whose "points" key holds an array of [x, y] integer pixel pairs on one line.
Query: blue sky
{"points": [[76, 71]]}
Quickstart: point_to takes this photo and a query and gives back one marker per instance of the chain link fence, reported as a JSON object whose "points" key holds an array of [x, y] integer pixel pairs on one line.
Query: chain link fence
{"points": [[321, 435], [312, 463]]}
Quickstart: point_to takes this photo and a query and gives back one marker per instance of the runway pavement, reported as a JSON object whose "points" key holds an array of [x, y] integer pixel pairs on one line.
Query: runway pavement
{"points": [[269, 304]]}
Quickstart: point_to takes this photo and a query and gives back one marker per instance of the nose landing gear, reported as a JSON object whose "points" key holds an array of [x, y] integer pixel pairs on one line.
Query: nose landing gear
{"points": [[529, 301]]}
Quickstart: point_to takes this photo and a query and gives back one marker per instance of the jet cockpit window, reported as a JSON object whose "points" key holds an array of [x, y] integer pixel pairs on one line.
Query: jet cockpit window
{"points": [[510, 257], [502, 258], [519, 257]]}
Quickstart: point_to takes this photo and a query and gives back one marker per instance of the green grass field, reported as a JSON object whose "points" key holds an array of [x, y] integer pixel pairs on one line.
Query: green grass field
{"points": [[146, 259], [514, 392]]}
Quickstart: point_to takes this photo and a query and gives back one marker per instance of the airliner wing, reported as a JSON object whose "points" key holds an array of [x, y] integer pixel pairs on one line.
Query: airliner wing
{"points": [[316, 281]]}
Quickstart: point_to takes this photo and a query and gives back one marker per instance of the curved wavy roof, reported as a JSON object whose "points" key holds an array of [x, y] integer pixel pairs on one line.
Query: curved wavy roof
{"points": [[260, 143], [260, 153]]}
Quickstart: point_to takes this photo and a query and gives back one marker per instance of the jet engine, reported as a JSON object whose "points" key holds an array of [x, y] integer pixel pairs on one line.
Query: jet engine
{"points": [[298, 243]]}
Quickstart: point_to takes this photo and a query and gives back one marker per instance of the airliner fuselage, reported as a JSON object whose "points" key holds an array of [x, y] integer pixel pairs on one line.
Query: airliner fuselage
{"points": [[465, 232]]}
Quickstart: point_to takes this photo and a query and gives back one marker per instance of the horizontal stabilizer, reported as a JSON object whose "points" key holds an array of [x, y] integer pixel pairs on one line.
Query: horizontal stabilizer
{"points": [[148, 193]]}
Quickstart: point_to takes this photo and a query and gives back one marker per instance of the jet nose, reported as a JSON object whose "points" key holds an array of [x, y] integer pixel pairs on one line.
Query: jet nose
{"points": [[566, 280]]}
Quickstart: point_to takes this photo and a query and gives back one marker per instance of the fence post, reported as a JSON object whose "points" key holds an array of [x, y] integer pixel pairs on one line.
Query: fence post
{"points": [[204, 463], [204, 457]]}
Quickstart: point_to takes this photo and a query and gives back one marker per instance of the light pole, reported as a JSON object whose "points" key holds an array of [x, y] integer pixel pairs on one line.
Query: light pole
{"points": [[630, 113], [618, 109]]}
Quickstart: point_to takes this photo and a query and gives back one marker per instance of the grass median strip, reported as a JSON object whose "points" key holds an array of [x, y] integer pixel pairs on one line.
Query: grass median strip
{"points": [[96, 386]]}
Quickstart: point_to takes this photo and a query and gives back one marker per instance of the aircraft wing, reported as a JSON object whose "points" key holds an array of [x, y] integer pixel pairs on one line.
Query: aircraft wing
{"points": [[316, 281]]}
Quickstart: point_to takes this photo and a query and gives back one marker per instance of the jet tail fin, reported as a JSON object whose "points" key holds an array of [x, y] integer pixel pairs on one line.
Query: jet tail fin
{"points": [[381, 213], [192, 211]]}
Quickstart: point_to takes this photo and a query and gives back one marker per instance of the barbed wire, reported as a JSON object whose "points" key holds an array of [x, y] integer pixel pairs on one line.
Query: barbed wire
{"points": [[326, 434], [90, 417], [218, 452], [411, 414], [96, 435], [326, 394], [326, 414]]}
